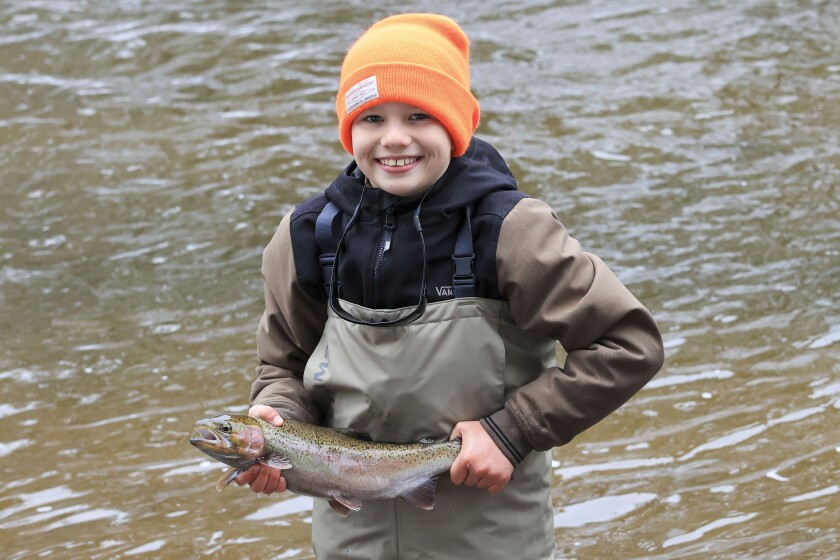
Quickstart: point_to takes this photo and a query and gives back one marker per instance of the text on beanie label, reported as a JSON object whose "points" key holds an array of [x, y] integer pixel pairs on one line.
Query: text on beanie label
{"points": [[361, 93]]}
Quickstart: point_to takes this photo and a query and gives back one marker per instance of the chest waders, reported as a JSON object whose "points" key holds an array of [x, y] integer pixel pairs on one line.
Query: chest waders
{"points": [[460, 360]]}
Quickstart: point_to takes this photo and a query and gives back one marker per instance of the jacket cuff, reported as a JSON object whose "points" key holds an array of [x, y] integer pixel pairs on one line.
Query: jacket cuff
{"points": [[506, 433]]}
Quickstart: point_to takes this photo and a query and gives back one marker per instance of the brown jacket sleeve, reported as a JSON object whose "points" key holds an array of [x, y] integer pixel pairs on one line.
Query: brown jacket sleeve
{"points": [[556, 290], [288, 333]]}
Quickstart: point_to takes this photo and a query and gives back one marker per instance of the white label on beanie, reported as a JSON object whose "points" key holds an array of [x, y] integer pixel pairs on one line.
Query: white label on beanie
{"points": [[360, 94]]}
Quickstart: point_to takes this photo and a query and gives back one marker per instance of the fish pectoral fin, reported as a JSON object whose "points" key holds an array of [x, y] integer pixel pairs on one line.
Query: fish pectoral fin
{"points": [[276, 461], [227, 478], [355, 434], [423, 495]]}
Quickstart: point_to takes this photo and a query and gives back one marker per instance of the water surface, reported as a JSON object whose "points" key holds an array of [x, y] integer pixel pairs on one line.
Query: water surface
{"points": [[149, 149]]}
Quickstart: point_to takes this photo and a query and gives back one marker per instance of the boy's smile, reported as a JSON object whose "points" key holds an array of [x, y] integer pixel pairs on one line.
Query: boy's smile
{"points": [[400, 148]]}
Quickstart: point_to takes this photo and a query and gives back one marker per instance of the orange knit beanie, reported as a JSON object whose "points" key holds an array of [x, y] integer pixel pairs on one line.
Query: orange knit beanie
{"points": [[418, 59]]}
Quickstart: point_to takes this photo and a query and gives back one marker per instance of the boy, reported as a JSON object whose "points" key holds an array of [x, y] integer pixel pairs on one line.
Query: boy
{"points": [[422, 295]]}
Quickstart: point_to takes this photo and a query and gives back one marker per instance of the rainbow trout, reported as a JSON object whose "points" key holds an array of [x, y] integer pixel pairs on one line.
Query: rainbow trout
{"points": [[324, 463]]}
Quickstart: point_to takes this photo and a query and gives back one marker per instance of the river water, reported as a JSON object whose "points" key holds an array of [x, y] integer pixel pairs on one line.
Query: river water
{"points": [[148, 150]]}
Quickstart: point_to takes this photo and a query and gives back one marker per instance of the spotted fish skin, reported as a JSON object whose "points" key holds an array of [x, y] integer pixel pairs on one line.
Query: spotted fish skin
{"points": [[326, 463]]}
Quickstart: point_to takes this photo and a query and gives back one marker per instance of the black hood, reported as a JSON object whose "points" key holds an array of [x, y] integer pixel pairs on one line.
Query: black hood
{"points": [[468, 179], [381, 265]]}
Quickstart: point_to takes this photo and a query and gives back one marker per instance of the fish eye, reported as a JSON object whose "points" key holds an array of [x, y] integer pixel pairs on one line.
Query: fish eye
{"points": [[226, 428]]}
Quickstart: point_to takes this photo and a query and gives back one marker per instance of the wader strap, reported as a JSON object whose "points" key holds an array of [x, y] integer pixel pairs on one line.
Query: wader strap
{"points": [[463, 270], [326, 241]]}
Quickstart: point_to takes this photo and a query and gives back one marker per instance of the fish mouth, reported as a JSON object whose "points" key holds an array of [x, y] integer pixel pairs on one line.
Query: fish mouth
{"points": [[207, 441], [202, 436], [226, 440]]}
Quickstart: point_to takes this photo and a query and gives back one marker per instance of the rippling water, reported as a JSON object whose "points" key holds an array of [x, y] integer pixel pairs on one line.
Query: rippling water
{"points": [[149, 149]]}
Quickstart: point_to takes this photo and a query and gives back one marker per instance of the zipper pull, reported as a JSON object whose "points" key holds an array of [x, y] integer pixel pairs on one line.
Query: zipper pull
{"points": [[390, 226]]}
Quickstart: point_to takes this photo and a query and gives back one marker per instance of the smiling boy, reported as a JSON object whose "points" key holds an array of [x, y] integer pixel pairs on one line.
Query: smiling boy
{"points": [[401, 149], [423, 295]]}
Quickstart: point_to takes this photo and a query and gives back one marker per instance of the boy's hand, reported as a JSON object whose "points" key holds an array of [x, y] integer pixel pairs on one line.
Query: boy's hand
{"points": [[261, 478], [480, 462]]}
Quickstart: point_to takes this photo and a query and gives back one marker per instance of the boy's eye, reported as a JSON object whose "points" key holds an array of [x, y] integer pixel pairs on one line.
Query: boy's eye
{"points": [[372, 118], [419, 117]]}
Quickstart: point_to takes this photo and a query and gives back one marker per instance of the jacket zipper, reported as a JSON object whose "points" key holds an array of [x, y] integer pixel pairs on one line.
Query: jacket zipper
{"points": [[384, 246]]}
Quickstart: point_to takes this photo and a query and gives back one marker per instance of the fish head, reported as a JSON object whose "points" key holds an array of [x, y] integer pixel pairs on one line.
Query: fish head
{"points": [[231, 439]]}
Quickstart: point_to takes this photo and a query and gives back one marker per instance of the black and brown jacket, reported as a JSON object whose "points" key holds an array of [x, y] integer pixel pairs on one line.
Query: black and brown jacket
{"points": [[523, 254]]}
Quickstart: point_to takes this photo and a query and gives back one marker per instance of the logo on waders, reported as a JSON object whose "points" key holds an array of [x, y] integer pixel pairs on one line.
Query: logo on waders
{"points": [[323, 367]]}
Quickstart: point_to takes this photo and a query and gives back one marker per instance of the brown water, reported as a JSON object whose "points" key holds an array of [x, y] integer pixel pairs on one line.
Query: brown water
{"points": [[149, 149]]}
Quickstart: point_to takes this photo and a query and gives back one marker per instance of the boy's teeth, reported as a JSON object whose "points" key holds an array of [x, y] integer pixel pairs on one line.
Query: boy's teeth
{"points": [[398, 162]]}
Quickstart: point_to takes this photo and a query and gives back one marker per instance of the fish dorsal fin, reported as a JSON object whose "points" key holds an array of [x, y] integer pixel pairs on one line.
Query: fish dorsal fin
{"points": [[276, 461], [423, 495], [430, 441], [343, 504], [355, 434], [227, 478]]}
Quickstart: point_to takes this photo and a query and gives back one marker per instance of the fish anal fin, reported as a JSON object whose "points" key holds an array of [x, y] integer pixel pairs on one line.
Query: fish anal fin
{"points": [[423, 495], [227, 478], [276, 461], [355, 434]]}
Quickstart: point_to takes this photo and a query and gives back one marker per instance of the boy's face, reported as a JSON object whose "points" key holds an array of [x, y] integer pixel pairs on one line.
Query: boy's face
{"points": [[401, 149]]}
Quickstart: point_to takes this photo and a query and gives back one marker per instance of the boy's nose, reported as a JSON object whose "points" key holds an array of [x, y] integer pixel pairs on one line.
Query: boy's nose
{"points": [[395, 135]]}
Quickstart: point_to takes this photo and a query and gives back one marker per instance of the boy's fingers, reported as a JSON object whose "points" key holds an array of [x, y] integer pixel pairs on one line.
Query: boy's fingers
{"points": [[472, 478], [259, 483], [484, 483], [496, 488], [262, 479], [457, 472], [265, 413], [245, 477], [272, 482]]}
